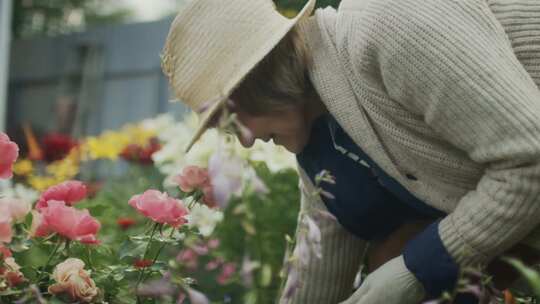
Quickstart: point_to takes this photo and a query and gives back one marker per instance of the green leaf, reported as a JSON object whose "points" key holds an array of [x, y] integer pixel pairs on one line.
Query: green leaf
{"points": [[248, 227], [131, 249], [266, 275], [531, 276]]}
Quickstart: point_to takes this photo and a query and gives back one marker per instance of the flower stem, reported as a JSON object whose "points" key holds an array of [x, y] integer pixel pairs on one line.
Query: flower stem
{"points": [[160, 249], [49, 259], [141, 273]]}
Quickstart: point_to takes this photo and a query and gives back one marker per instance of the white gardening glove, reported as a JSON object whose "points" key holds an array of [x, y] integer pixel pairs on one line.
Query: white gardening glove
{"points": [[392, 283]]}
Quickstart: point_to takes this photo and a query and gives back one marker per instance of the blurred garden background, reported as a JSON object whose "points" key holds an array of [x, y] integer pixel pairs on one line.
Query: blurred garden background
{"points": [[83, 96]]}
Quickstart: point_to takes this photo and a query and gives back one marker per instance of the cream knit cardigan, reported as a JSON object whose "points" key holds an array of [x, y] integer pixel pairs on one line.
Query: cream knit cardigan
{"points": [[443, 95]]}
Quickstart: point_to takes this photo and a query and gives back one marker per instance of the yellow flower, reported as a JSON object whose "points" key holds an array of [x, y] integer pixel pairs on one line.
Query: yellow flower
{"points": [[63, 169], [23, 167], [41, 183]]}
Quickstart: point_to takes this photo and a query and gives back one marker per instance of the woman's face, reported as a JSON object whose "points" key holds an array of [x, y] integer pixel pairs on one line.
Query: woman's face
{"points": [[288, 127]]}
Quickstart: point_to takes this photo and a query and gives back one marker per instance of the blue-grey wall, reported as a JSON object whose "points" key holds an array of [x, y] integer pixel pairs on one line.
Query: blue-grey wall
{"points": [[131, 86]]}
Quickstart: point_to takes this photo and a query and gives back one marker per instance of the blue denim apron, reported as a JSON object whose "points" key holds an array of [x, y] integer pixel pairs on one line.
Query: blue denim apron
{"points": [[367, 202]]}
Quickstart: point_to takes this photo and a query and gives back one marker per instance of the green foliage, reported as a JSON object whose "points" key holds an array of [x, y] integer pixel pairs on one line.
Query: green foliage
{"points": [[257, 226]]}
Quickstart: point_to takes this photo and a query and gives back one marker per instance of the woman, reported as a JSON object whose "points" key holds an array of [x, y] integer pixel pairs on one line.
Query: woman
{"points": [[427, 112]]}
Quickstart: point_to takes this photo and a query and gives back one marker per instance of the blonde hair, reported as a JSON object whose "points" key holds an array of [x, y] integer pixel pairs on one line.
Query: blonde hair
{"points": [[280, 80]]}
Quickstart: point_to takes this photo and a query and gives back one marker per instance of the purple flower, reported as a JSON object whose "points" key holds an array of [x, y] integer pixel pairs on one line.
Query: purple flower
{"points": [[226, 176]]}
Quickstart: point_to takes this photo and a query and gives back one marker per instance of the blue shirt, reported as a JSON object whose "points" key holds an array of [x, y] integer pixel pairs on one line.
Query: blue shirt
{"points": [[371, 204]]}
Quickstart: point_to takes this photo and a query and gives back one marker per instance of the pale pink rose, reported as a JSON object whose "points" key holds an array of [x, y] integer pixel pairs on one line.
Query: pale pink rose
{"points": [[5, 224], [18, 208], [9, 151], [192, 178], [68, 222], [160, 208], [73, 280], [227, 271], [213, 264], [69, 192], [10, 271]]}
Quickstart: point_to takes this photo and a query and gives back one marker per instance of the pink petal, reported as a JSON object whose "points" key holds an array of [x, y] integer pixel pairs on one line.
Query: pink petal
{"points": [[9, 151], [69, 192]]}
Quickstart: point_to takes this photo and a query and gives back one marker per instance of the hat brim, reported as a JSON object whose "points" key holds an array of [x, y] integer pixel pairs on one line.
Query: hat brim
{"points": [[208, 115]]}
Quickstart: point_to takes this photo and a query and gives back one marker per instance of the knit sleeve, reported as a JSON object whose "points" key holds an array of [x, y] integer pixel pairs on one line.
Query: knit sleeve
{"points": [[329, 279], [451, 62]]}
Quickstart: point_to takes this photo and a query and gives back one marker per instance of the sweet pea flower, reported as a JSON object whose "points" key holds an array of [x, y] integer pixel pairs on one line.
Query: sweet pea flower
{"points": [[189, 258], [17, 208], [69, 192], [226, 176], [73, 280], [227, 271], [192, 178], [5, 224], [68, 222], [9, 151], [160, 208], [196, 297], [213, 264], [213, 243]]}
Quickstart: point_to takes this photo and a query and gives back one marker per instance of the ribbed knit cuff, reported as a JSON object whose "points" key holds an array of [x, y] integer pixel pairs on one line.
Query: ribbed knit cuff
{"points": [[427, 258], [461, 252]]}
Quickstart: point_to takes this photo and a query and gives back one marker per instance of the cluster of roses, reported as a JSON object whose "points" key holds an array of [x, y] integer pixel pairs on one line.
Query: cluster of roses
{"points": [[53, 215], [9, 270]]}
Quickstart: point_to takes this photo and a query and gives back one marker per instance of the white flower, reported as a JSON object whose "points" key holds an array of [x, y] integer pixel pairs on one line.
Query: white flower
{"points": [[19, 191], [159, 123], [204, 218]]}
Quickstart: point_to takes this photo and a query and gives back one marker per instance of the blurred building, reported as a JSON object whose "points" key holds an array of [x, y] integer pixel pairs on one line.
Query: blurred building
{"points": [[84, 83]]}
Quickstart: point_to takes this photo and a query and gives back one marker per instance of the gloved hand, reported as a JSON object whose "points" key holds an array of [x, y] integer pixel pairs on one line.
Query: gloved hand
{"points": [[392, 283]]}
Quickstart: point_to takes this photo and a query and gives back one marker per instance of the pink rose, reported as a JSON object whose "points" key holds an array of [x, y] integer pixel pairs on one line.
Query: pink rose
{"points": [[160, 208], [73, 280], [69, 192], [192, 178], [5, 224], [67, 221], [9, 151], [18, 208]]}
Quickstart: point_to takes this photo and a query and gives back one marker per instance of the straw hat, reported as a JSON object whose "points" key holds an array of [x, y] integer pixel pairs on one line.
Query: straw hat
{"points": [[213, 44]]}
